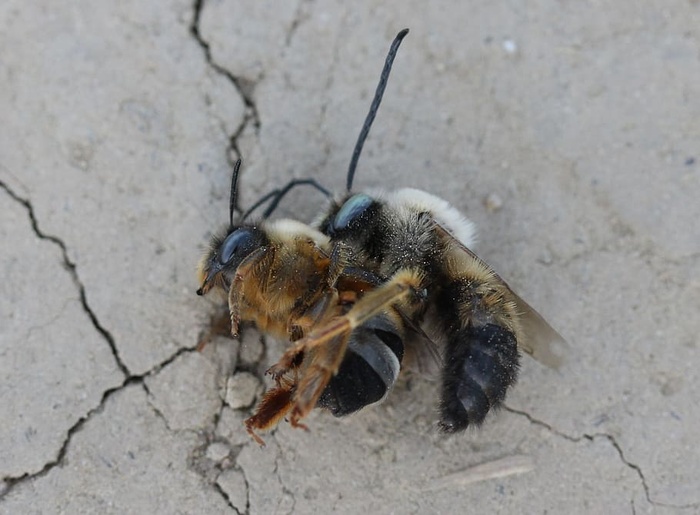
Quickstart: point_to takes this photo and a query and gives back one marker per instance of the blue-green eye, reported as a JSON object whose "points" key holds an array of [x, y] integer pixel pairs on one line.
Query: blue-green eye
{"points": [[353, 209], [239, 242]]}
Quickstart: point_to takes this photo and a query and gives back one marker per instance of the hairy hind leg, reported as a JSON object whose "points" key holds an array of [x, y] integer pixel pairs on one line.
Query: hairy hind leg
{"points": [[326, 347], [481, 363], [481, 358]]}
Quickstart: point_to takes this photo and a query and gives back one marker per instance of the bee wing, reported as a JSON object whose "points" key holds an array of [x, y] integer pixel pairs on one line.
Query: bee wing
{"points": [[541, 339], [421, 352]]}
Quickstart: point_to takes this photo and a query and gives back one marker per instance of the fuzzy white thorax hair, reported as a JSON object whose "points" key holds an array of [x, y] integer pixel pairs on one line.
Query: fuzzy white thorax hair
{"points": [[285, 228], [442, 211]]}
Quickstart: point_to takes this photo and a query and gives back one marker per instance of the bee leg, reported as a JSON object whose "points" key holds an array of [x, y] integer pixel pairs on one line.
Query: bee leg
{"points": [[273, 407], [235, 296], [325, 363], [337, 261], [481, 363], [295, 354], [288, 362], [308, 314], [313, 306], [294, 422], [235, 292], [330, 342]]}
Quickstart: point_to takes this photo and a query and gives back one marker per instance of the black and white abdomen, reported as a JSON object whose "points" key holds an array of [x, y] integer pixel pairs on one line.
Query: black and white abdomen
{"points": [[369, 369]]}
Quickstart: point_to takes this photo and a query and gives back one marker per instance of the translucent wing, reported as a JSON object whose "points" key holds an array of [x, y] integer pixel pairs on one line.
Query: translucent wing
{"points": [[541, 339], [422, 353]]}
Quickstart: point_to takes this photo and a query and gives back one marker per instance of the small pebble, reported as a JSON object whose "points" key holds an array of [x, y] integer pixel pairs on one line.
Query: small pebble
{"points": [[545, 258], [251, 349], [509, 46], [493, 202], [217, 451], [241, 390]]}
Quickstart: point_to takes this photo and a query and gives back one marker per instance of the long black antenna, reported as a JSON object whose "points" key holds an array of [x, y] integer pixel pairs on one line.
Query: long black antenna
{"points": [[278, 193], [234, 192], [292, 184], [383, 79]]}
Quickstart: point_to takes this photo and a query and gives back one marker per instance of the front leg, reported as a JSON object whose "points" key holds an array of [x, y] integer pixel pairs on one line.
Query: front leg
{"points": [[235, 292]]}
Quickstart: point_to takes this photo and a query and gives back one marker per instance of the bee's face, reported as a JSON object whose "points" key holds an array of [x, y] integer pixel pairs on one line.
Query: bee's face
{"points": [[226, 254]]}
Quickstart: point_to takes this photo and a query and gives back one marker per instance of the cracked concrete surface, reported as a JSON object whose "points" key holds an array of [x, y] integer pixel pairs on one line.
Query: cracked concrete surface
{"points": [[49, 336], [120, 124]]}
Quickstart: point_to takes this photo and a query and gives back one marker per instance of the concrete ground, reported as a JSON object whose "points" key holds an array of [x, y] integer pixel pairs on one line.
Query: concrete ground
{"points": [[568, 131]]}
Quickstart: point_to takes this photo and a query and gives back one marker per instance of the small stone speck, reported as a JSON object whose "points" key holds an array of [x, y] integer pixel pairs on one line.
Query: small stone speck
{"points": [[545, 258], [251, 349], [493, 202], [217, 451], [509, 46], [241, 390]]}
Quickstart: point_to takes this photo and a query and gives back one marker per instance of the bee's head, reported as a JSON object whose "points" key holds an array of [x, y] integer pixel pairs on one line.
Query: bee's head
{"points": [[225, 254], [350, 215], [227, 250]]}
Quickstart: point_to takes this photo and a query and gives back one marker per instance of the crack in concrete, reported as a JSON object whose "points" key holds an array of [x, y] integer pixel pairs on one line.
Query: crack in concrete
{"points": [[243, 87], [48, 323], [10, 482], [235, 450], [276, 473], [158, 413], [223, 494], [247, 490], [73, 271], [611, 439], [300, 16], [211, 470]]}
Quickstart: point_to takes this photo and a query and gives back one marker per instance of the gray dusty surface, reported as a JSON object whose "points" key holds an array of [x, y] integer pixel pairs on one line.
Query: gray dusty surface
{"points": [[568, 131]]}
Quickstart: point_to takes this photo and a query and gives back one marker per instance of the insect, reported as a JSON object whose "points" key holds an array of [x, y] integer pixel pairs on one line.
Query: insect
{"points": [[288, 279], [377, 274]]}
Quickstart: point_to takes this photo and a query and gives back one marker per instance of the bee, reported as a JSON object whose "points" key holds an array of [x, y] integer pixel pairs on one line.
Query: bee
{"points": [[467, 306], [288, 279], [377, 274]]}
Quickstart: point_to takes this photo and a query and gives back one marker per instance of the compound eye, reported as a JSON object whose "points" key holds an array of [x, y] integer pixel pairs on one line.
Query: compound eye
{"points": [[353, 209], [238, 242]]}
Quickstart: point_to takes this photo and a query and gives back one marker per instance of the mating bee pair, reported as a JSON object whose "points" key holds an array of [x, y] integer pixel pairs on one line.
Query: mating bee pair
{"points": [[377, 275]]}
